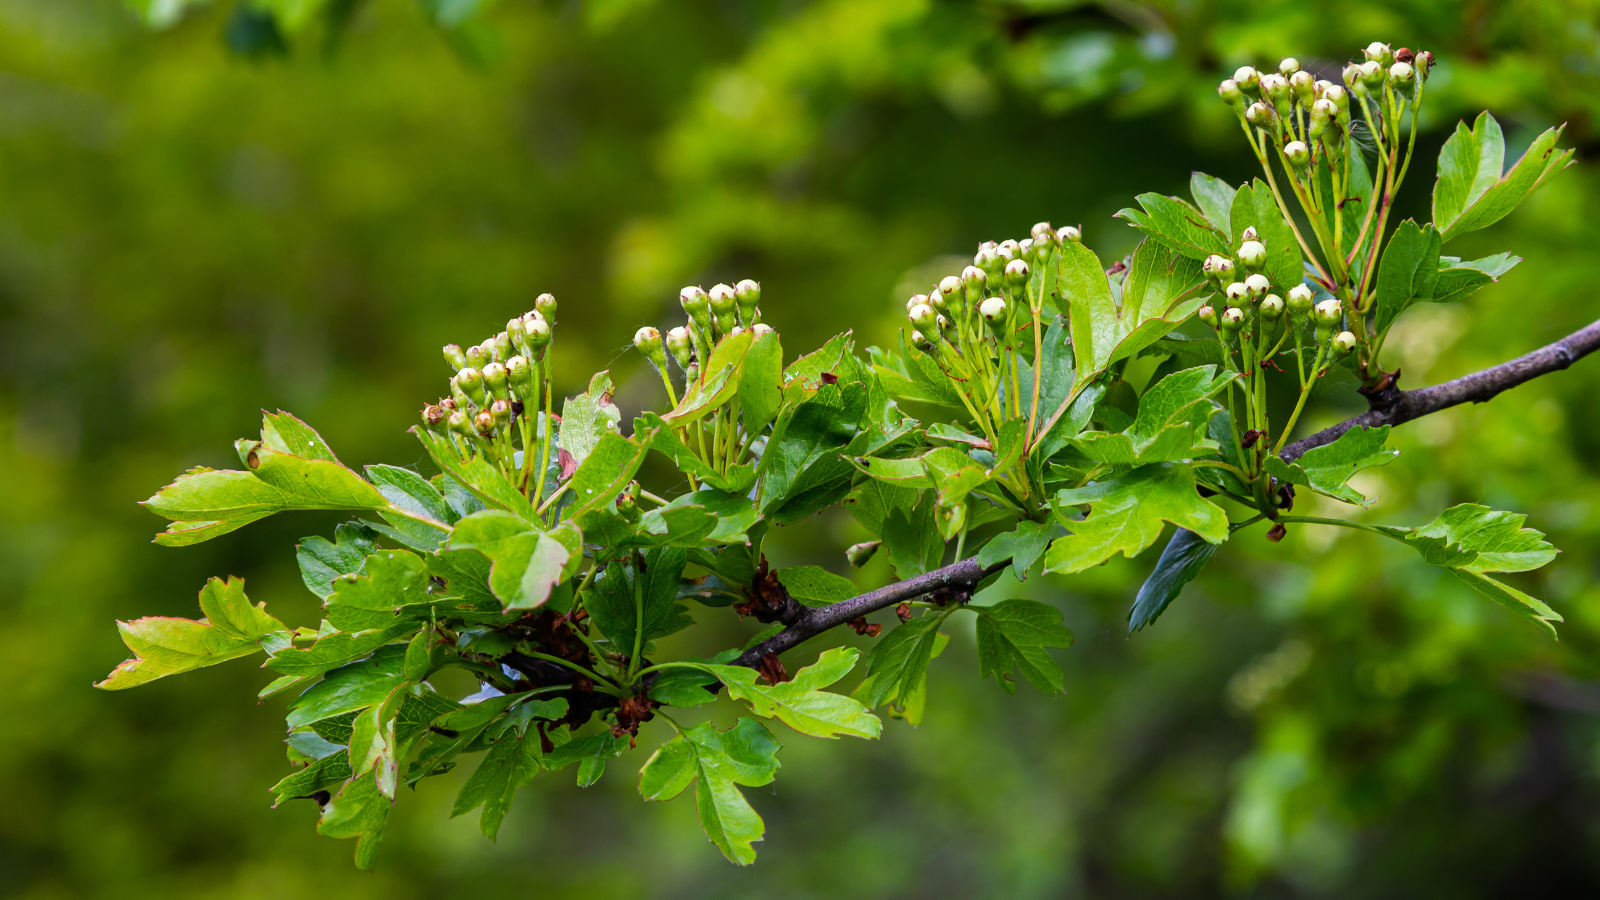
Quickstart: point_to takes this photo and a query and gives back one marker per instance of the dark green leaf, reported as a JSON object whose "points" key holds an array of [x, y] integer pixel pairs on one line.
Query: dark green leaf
{"points": [[1408, 272], [1180, 563], [897, 667], [511, 762], [1177, 225], [1014, 635], [1215, 198], [1022, 545], [816, 586]]}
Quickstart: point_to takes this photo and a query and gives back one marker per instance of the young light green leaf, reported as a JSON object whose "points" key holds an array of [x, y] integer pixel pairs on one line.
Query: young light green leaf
{"points": [[528, 561], [1528, 607], [360, 811], [411, 492], [476, 474], [1328, 469], [761, 387], [1127, 516], [801, 703], [1170, 425], [1022, 545], [1471, 192], [350, 688], [1177, 225], [605, 472], [287, 434], [393, 580], [588, 417], [321, 562], [897, 666], [1215, 198], [1014, 635], [719, 381], [336, 649], [512, 762], [1160, 291], [715, 762], [816, 586], [165, 646], [1459, 279], [1180, 563]]}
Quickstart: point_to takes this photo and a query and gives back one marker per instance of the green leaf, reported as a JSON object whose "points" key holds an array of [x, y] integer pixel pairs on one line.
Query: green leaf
{"points": [[590, 753], [165, 646], [663, 439], [718, 383], [1022, 545], [1170, 425], [528, 562], [761, 387], [619, 593], [1177, 225], [912, 540], [1161, 290], [816, 586], [1254, 207], [321, 562], [1180, 563], [326, 774], [808, 369], [911, 376], [1459, 279], [1530, 608], [393, 579], [411, 492], [1215, 198], [1013, 636], [685, 687], [359, 811], [1127, 516], [801, 703], [349, 688], [873, 501], [335, 650], [714, 762], [1408, 272], [1328, 469], [287, 434], [897, 666], [1471, 192], [476, 474], [511, 762], [605, 472], [588, 417], [806, 466]]}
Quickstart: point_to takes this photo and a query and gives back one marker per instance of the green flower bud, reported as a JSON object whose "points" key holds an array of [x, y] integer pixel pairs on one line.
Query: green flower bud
{"points": [[1008, 251], [459, 422], [476, 357], [518, 330], [1252, 254], [1257, 285], [1218, 268], [458, 397], [1351, 74], [1379, 52], [973, 280], [1069, 234], [1298, 154], [1329, 313], [647, 340], [470, 381], [1016, 273], [1372, 74], [1288, 66], [722, 301], [1208, 315], [923, 318], [545, 305], [1271, 306], [993, 309], [483, 423], [501, 411], [538, 334], [727, 321], [1231, 321], [1299, 302], [1025, 249], [433, 417], [502, 347], [692, 374], [921, 342], [858, 554], [1247, 79], [494, 379], [695, 303], [1259, 114], [1424, 62], [681, 345], [627, 506], [1236, 293], [519, 374], [1229, 91], [748, 295], [455, 357], [944, 326], [1304, 86], [1343, 343], [1402, 73], [937, 301], [1322, 113]]}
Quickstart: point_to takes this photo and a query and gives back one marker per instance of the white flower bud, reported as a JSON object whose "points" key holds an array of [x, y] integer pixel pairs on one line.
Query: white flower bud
{"points": [[1304, 86], [735, 331], [1208, 315], [1229, 91], [1300, 298], [1271, 306], [1275, 86], [921, 342], [722, 300], [1402, 73], [1379, 52], [1236, 293], [1025, 248], [1040, 230], [538, 332], [993, 309], [1247, 78], [1217, 267], [950, 286], [1339, 96], [1008, 250], [1249, 234], [924, 318], [1232, 320], [759, 329], [916, 301], [1016, 273], [681, 345], [1343, 343], [1297, 153], [694, 301], [937, 301], [1288, 66], [1329, 313], [1320, 87], [1252, 254], [1259, 114], [1372, 73], [1257, 285], [1069, 234]]}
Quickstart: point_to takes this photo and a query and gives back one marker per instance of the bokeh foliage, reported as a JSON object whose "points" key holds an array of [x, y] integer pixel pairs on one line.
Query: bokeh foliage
{"points": [[188, 232]]}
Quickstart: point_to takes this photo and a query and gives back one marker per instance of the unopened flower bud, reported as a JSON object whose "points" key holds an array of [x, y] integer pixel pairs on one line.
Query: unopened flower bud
{"points": [[1025, 249], [1322, 113], [1424, 62], [1249, 234], [1321, 87], [1299, 301], [760, 329], [748, 295], [923, 318], [937, 301], [1247, 78], [1276, 87], [1304, 86], [434, 416], [1379, 52], [1350, 74], [1271, 306], [950, 286], [1343, 343], [1041, 230], [1252, 254], [545, 305], [1229, 91], [1069, 234], [695, 303], [1236, 293], [627, 506], [692, 373], [735, 331], [722, 300], [916, 301], [944, 325], [993, 309], [1288, 66], [500, 410], [1329, 313], [1208, 315], [1297, 153], [538, 333], [858, 554], [1372, 73], [470, 381], [459, 422], [494, 379], [1231, 321], [973, 281], [1218, 268], [477, 357], [519, 374], [921, 342], [1257, 285], [455, 357], [681, 345], [518, 330], [988, 260], [483, 423], [1259, 114], [726, 322], [1402, 73], [1016, 273], [1008, 251], [648, 341]]}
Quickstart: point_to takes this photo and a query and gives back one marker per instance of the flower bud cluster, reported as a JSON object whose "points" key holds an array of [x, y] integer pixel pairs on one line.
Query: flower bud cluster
{"points": [[494, 380], [724, 311]]}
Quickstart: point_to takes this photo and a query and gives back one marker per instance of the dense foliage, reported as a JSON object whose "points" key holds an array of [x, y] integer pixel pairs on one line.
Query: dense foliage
{"points": [[1045, 411]]}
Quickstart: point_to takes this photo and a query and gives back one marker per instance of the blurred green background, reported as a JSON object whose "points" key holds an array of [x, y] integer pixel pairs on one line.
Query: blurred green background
{"points": [[238, 210]]}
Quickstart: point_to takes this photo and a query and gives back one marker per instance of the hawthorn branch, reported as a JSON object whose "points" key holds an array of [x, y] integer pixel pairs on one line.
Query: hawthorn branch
{"points": [[1393, 406], [1390, 406], [808, 622]]}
